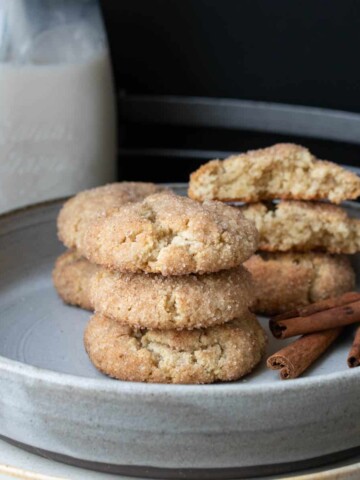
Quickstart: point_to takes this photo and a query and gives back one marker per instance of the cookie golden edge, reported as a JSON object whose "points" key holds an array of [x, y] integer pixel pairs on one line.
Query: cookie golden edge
{"points": [[283, 281], [220, 353]]}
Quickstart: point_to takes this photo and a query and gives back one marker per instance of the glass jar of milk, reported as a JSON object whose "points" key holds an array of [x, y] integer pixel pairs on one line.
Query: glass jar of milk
{"points": [[57, 110]]}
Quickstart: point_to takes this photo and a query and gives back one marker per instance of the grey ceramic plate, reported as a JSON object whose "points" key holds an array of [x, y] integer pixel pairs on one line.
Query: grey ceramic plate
{"points": [[55, 403]]}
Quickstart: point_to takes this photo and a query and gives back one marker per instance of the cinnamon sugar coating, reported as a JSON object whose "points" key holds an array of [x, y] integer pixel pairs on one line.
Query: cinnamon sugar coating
{"points": [[151, 300], [83, 208], [176, 302], [220, 353], [171, 235]]}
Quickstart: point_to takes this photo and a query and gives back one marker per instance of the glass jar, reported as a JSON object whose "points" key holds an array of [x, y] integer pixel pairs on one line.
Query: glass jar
{"points": [[57, 109]]}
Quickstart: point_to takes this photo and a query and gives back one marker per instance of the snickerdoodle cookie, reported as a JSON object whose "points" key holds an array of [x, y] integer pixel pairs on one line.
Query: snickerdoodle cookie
{"points": [[81, 209], [171, 235], [151, 300], [173, 302], [72, 275], [304, 226], [220, 353], [285, 280], [285, 171]]}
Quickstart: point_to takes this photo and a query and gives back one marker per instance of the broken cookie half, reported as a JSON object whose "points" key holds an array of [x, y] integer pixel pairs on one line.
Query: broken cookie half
{"points": [[285, 171], [292, 225]]}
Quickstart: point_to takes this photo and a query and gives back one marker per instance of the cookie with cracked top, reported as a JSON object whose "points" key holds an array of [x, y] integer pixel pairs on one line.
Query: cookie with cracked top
{"points": [[287, 280], [219, 353], [171, 235], [154, 301], [173, 302], [83, 208]]}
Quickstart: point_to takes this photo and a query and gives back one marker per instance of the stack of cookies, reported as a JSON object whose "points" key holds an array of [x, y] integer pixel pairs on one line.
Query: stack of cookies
{"points": [[164, 277], [304, 237]]}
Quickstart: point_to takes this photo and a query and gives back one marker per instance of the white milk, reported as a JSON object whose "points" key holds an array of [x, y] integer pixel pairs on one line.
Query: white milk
{"points": [[57, 129]]}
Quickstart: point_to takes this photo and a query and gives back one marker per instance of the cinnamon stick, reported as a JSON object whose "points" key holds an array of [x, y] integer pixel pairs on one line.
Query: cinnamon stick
{"points": [[324, 320], [297, 357], [348, 297], [354, 354]]}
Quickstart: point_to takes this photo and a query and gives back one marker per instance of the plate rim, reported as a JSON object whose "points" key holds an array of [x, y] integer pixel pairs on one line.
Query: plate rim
{"points": [[106, 384]]}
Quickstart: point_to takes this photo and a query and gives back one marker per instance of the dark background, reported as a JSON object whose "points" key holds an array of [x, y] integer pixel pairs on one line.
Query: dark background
{"points": [[288, 51]]}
